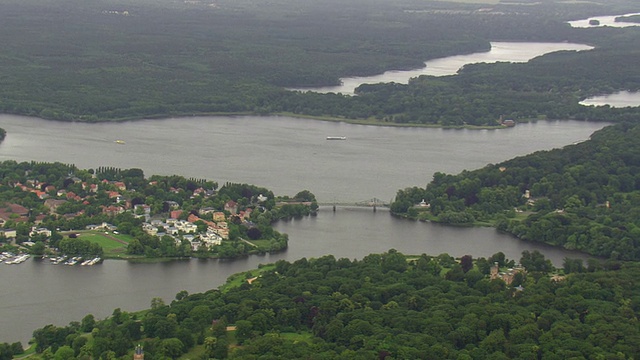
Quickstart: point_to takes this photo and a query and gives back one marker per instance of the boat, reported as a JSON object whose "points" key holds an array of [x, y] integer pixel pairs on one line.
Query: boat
{"points": [[336, 138], [121, 142]]}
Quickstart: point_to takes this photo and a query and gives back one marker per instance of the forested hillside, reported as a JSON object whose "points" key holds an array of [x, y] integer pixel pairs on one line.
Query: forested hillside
{"points": [[386, 306], [585, 196], [91, 61]]}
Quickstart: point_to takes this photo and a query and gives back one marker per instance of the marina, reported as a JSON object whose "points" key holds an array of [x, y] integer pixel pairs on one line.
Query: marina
{"points": [[11, 259]]}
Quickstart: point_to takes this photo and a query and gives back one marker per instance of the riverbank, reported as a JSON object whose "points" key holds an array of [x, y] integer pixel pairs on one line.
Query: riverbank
{"points": [[367, 122], [377, 122]]}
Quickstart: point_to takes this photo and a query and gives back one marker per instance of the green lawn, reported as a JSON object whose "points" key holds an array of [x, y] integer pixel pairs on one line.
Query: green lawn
{"points": [[259, 242], [114, 245], [239, 278], [297, 337]]}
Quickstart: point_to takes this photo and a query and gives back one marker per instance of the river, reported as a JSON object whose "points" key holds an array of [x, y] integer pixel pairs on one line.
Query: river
{"points": [[500, 51]]}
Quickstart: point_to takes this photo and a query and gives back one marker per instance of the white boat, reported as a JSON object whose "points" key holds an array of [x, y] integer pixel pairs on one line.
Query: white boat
{"points": [[336, 138], [121, 142]]}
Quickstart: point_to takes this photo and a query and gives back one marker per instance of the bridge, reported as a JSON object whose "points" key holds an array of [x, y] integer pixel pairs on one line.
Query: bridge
{"points": [[372, 203]]}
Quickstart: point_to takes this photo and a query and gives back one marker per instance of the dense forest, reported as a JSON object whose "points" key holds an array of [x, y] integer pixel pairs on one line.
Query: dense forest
{"points": [[385, 306], [585, 196], [91, 61]]}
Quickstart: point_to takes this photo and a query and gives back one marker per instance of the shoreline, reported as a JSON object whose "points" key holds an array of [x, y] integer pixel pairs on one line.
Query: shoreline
{"points": [[364, 122]]}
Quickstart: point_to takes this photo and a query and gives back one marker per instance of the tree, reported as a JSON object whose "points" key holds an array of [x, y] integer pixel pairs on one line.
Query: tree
{"points": [[244, 330], [182, 294], [88, 323], [64, 353], [157, 303], [466, 262], [38, 248], [172, 347], [535, 261]]}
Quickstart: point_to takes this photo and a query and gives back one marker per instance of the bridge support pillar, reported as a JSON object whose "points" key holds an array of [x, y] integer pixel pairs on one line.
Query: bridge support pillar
{"points": [[334, 208], [374, 207]]}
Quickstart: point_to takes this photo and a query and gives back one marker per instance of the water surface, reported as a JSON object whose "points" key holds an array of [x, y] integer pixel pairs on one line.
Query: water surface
{"points": [[618, 100], [609, 20]]}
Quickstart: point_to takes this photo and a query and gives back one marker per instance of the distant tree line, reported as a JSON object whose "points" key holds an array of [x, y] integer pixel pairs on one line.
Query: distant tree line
{"points": [[237, 58]]}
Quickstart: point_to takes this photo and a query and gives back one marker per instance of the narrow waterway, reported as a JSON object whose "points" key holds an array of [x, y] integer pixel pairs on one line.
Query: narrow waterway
{"points": [[500, 51]]}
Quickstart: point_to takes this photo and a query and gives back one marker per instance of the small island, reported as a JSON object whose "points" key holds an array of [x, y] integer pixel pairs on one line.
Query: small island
{"points": [[75, 216]]}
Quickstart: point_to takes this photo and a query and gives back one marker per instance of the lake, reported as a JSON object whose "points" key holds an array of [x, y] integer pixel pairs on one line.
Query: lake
{"points": [[500, 51], [606, 20], [618, 99], [281, 153]]}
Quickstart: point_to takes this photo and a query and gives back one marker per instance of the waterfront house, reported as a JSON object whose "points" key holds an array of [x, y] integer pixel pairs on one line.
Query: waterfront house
{"points": [[8, 233]]}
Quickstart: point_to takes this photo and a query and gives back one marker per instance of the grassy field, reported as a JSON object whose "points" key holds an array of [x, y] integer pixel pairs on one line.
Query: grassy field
{"points": [[239, 278], [114, 245]]}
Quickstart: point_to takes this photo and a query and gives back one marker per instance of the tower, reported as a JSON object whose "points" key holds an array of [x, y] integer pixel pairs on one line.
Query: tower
{"points": [[495, 269], [139, 353]]}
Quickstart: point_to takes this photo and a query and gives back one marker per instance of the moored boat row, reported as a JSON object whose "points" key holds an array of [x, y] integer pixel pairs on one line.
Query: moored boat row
{"points": [[10, 259], [74, 260]]}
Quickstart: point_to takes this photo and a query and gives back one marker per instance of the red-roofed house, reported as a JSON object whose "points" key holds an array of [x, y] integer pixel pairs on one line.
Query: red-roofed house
{"points": [[231, 206]]}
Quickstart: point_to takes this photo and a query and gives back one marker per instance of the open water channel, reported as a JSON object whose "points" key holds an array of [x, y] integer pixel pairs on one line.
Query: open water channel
{"points": [[283, 154]]}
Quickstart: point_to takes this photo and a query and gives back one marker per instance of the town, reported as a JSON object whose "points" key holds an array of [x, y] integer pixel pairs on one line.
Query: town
{"points": [[68, 214]]}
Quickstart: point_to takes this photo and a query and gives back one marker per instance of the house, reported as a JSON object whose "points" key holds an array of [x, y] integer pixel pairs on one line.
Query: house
{"points": [[172, 205], [231, 206], [8, 233], [219, 216], [142, 209], [112, 210], [53, 204], [506, 276], [14, 212], [40, 231], [17, 209], [206, 211], [246, 214], [120, 185], [508, 123], [211, 238]]}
